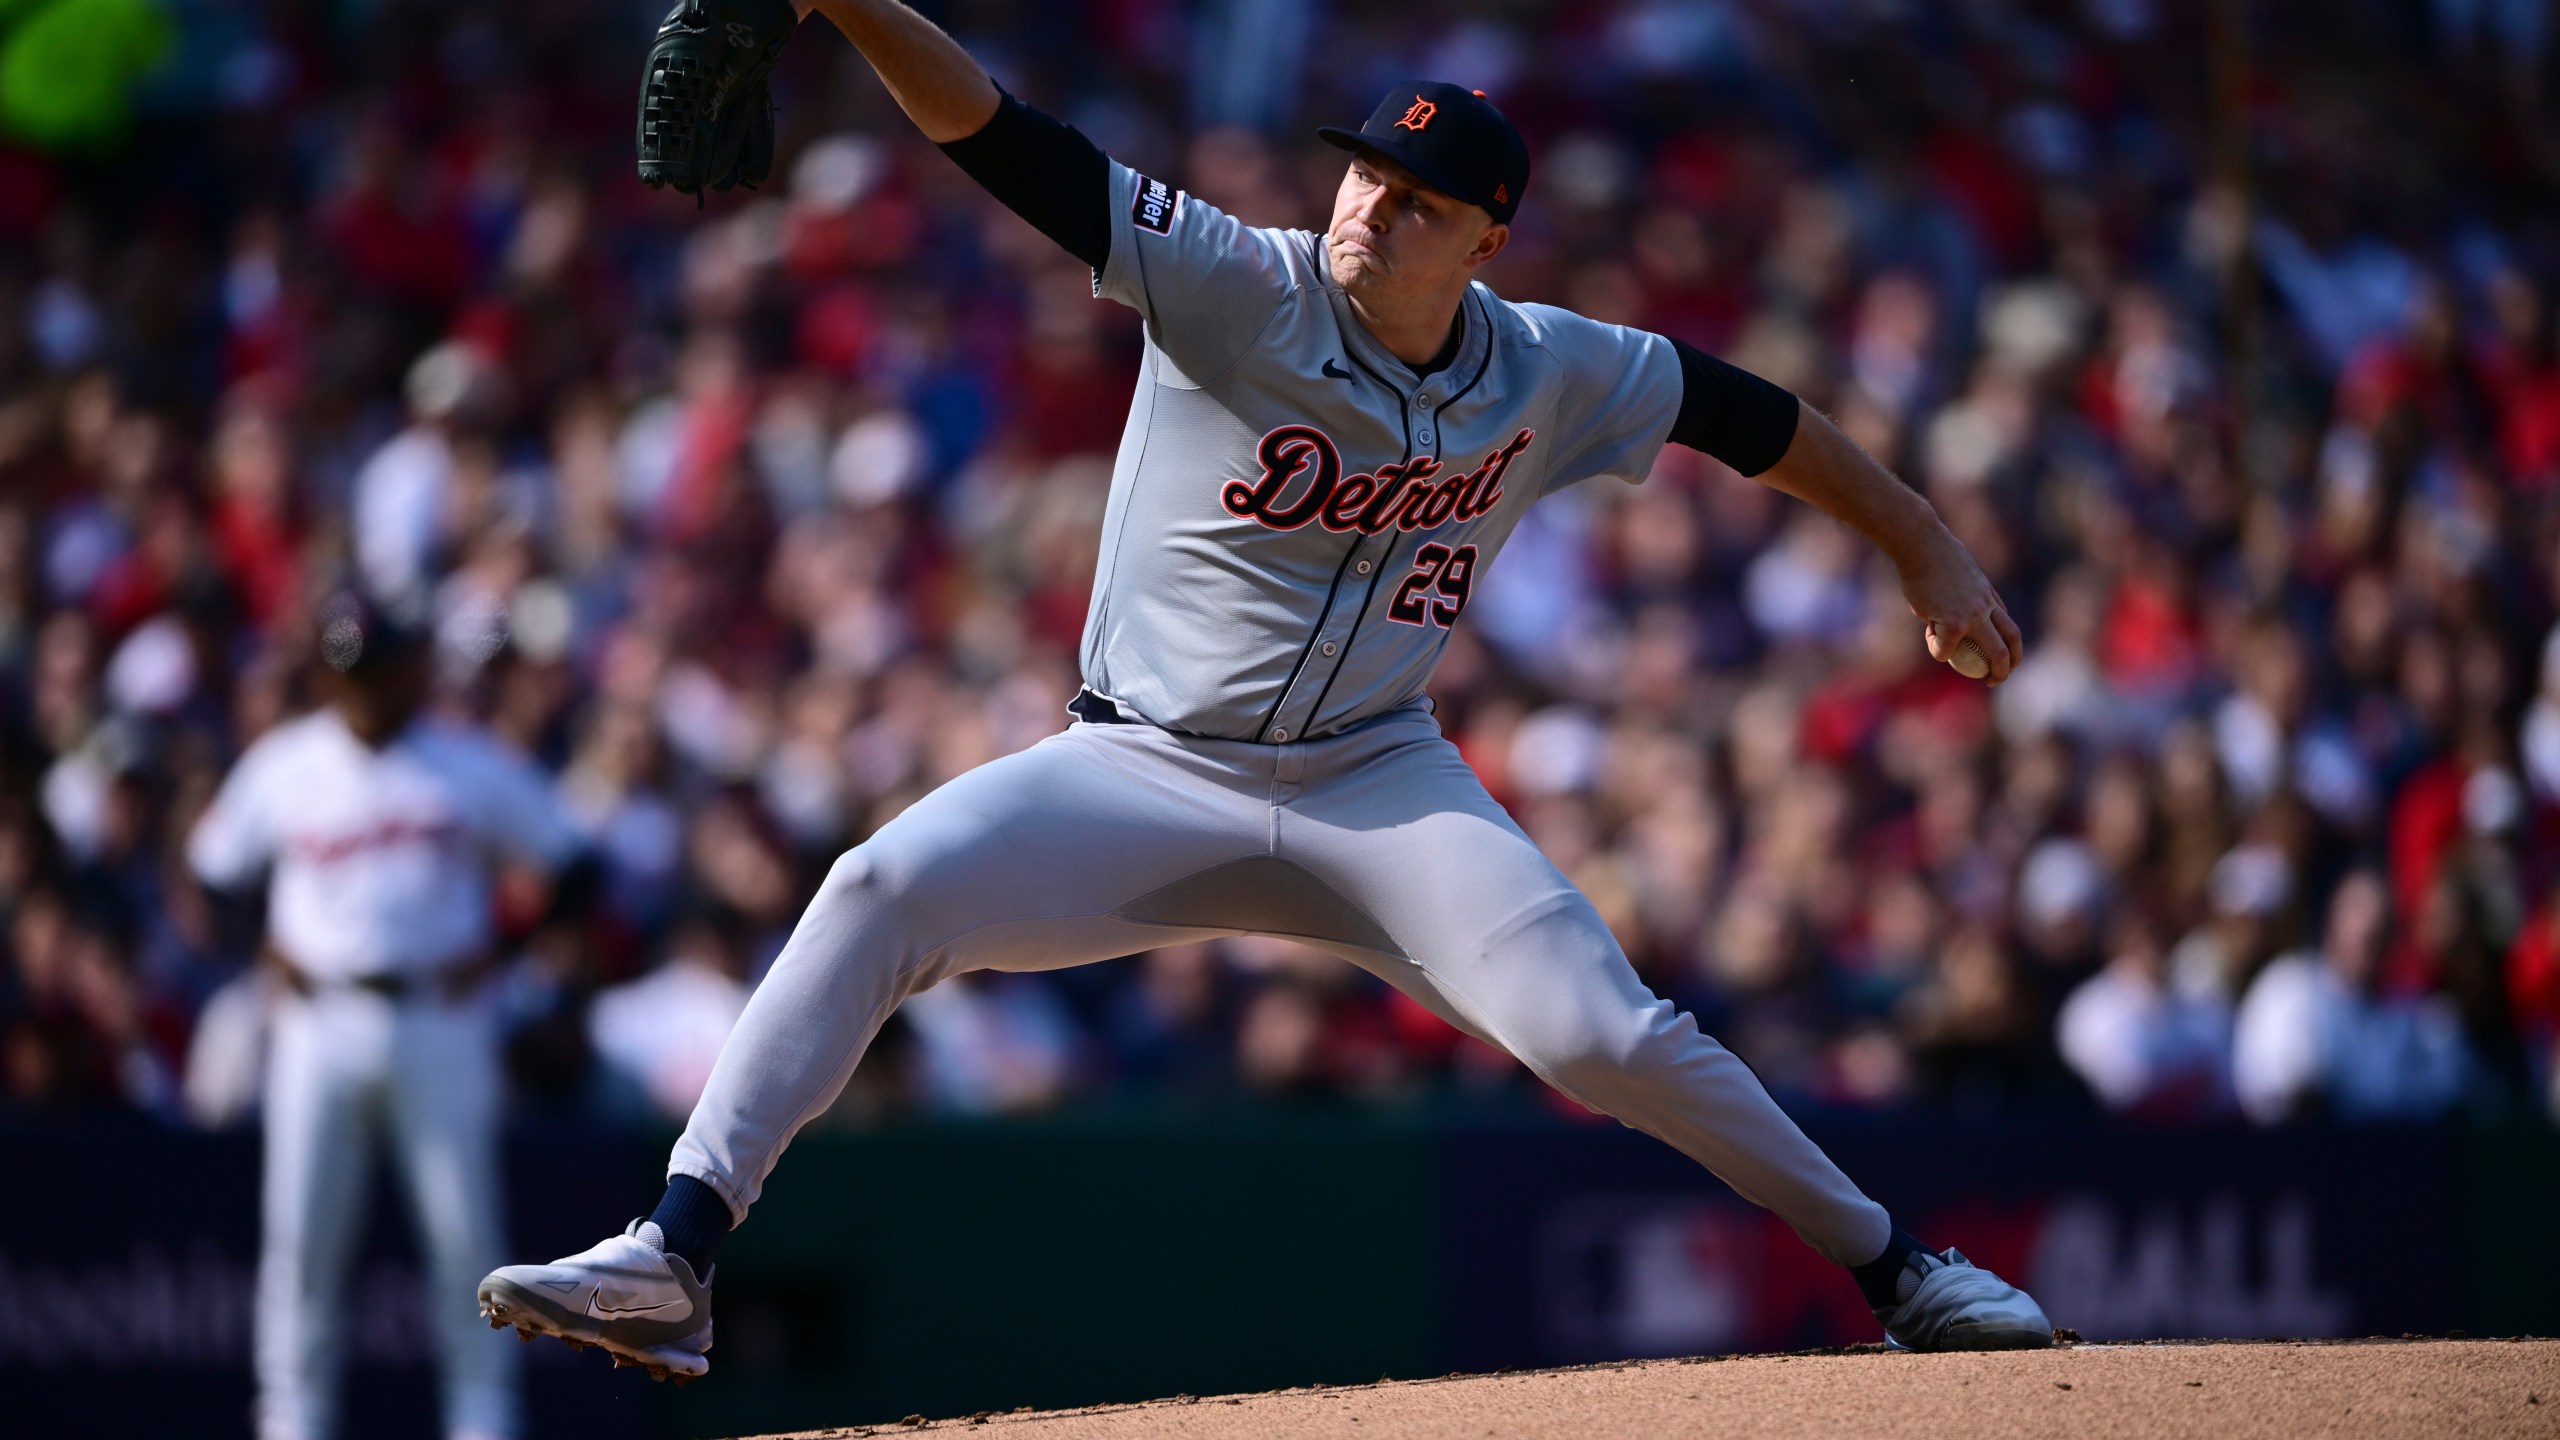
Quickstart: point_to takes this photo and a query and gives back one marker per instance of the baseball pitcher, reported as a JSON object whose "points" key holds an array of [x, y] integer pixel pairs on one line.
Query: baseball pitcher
{"points": [[375, 829], [1332, 436]]}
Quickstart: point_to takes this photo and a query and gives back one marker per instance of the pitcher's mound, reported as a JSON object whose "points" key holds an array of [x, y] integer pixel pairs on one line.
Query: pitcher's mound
{"points": [[2210, 1391]]}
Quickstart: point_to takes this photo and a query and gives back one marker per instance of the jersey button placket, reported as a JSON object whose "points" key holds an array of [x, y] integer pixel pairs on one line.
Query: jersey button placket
{"points": [[1330, 642]]}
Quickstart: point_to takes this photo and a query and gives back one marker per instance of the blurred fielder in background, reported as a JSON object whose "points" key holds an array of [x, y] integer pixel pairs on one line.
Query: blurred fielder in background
{"points": [[377, 830]]}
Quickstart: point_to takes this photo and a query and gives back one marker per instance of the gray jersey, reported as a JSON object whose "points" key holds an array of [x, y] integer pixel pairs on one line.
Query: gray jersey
{"points": [[1296, 518]]}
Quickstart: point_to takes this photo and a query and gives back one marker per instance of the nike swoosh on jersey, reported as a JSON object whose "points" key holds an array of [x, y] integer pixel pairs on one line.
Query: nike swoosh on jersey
{"points": [[1334, 372]]}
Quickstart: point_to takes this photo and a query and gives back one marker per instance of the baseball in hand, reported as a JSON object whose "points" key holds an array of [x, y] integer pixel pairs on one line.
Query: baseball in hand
{"points": [[1968, 661]]}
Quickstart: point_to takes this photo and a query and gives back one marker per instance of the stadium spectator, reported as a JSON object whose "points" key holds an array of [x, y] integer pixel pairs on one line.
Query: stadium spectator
{"points": [[2143, 1045], [660, 1034], [2314, 1036]]}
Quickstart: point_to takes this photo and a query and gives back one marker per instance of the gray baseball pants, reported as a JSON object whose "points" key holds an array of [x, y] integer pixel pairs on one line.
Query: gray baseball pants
{"points": [[1378, 845]]}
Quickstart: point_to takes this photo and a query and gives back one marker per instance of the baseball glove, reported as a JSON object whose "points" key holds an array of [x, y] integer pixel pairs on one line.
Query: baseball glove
{"points": [[706, 104]]}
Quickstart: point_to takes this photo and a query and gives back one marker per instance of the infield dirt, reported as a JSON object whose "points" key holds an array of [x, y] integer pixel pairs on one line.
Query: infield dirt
{"points": [[2257, 1390]]}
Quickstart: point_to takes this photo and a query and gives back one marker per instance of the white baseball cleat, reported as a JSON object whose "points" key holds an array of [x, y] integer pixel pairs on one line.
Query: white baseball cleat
{"points": [[1958, 1305], [626, 1296]]}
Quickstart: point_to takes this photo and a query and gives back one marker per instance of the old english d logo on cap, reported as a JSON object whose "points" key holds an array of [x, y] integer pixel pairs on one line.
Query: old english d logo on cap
{"points": [[1418, 118]]}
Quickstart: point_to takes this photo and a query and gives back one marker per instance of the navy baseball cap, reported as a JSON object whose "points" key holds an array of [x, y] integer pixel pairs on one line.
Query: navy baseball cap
{"points": [[359, 634], [1452, 139]]}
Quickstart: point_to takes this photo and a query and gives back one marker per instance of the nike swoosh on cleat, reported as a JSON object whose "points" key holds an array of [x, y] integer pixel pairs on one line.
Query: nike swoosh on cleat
{"points": [[603, 1309]]}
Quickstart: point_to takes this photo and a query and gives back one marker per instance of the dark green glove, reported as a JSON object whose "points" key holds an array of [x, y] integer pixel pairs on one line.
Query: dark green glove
{"points": [[706, 101]]}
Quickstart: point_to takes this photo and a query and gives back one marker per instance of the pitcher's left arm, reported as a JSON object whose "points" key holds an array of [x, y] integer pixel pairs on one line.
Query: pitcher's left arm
{"points": [[1770, 435], [1940, 578]]}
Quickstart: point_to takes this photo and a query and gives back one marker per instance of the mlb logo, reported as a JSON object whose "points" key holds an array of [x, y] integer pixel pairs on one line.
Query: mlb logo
{"points": [[1154, 207]]}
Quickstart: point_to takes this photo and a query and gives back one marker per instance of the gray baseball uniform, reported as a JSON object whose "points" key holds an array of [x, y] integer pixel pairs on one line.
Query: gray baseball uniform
{"points": [[1296, 521]]}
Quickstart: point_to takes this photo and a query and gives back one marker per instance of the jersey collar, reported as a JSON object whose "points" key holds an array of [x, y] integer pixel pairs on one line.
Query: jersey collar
{"points": [[1472, 349]]}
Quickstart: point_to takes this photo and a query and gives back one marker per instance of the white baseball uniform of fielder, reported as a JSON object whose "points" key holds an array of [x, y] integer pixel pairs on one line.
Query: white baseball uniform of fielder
{"points": [[1296, 520], [379, 864]]}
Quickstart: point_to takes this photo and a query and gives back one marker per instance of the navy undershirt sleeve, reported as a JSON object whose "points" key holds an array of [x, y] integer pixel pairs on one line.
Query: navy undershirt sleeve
{"points": [[1045, 171], [1732, 414]]}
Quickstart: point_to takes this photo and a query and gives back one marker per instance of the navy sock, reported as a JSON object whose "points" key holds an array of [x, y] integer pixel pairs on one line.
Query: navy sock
{"points": [[1880, 1279], [694, 1219]]}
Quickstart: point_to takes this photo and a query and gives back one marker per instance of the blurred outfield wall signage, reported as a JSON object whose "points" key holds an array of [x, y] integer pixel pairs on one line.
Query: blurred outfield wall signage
{"points": [[1642, 1275], [153, 1307], [1213, 1253], [129, 1310], [1680, 1275], [2241, 1267], [1571, 1247]]}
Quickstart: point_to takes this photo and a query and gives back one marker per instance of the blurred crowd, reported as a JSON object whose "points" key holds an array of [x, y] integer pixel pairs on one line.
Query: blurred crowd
{"points": [[2230, 351]]}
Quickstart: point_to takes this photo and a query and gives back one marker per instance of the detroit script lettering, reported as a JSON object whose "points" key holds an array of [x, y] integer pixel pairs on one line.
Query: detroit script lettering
{"points": [[1401, 496]]}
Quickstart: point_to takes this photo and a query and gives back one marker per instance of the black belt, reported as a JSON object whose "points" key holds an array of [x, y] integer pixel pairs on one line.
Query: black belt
{"points": [[391, 987], [453, 982], [1096, 709]]}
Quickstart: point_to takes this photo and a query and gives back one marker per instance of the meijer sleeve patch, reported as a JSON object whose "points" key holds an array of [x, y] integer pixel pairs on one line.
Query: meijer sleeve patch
{"points": [[1153, 205]]}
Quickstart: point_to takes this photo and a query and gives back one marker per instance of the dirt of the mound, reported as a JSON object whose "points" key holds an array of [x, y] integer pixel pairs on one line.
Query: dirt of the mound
{"points": [[2253, 1391]]}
